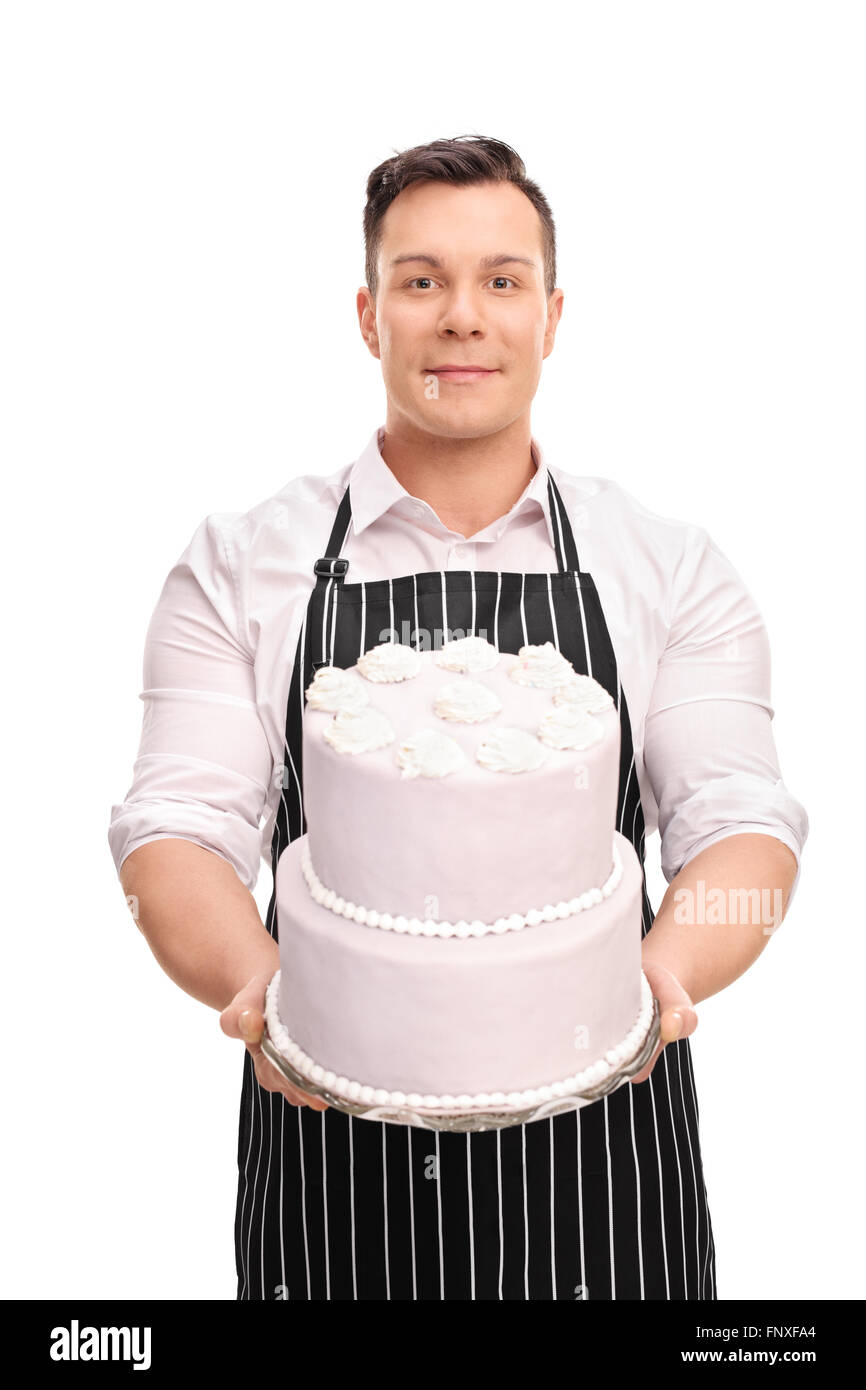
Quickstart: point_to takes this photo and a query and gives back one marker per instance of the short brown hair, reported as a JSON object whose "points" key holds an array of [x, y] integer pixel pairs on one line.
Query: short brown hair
{"points": [[464, 160]]}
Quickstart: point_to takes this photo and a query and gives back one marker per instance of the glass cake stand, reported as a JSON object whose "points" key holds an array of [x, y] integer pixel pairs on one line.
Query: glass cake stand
{"points": [[462, 1121]]}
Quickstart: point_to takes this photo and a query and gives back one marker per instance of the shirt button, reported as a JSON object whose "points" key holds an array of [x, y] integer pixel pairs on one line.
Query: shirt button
{"points": [[460, 552]]}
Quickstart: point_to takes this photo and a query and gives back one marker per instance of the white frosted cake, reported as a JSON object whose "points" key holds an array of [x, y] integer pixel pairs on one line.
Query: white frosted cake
{"points": [[460, 927]]}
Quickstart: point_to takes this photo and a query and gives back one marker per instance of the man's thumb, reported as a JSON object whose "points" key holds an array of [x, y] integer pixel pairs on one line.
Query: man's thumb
{"points": [[242, 1018]]}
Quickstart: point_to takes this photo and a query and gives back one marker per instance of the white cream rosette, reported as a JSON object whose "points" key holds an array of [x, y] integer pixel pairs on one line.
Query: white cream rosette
{"points": [[390, 661], [582, 692], [429, 753], [568, 728], [466, 702], [469, 655], [333, 689], [510, 750], [359, 731], [541, 666]]}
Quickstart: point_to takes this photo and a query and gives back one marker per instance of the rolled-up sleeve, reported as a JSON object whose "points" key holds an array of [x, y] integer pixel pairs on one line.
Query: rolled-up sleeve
{"points": [[709, 749], [204, 764]]}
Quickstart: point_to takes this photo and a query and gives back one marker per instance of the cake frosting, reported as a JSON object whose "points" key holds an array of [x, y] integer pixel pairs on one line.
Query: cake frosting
{"points": [[390, 661], [541, 666], [582, 693], [510, 750], [466, 701], [468, 654], [429, 753], [358, 730], [459, 926], [565, 727], [332, 689]]}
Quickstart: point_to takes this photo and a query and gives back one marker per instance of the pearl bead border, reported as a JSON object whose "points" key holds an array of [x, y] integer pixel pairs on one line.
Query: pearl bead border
{"points": [[356, 1091], [415, 926]]}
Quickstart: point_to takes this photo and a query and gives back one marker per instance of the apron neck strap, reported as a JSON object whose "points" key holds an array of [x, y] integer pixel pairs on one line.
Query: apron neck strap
{"points": [[332, 565], [566, 549]]}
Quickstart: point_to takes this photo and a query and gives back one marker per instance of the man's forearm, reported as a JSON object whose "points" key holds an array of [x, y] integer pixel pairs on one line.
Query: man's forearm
{"points": [[720, 911], [199, 920]]}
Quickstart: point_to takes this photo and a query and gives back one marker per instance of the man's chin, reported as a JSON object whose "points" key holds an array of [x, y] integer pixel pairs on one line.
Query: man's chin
{"points": [[456, 420]]}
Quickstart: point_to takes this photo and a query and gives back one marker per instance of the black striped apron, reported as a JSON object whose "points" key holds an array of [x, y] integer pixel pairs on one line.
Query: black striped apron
{"points": [[605, 1202]]}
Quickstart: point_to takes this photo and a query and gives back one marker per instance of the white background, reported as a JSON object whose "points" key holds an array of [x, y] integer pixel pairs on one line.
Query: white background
{"points": [[183, 188]]}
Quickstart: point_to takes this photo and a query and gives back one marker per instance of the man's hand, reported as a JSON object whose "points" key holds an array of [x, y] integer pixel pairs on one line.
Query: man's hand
{"points": [[244, 1018], [678, 1016]]}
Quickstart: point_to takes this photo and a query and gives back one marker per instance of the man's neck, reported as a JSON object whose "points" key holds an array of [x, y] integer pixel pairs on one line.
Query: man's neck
{"points": [[469, 483]]}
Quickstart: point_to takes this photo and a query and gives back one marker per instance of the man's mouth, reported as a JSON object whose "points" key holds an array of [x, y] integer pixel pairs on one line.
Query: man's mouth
{"points": [[452, 371]]}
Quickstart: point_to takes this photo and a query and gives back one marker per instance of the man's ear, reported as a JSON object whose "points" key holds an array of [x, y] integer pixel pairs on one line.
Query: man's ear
{"points": [[554, 314], [366, 307]]}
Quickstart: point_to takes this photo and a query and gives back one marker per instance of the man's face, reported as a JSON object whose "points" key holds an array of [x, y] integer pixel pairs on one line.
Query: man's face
{"points": [[442, 303]]}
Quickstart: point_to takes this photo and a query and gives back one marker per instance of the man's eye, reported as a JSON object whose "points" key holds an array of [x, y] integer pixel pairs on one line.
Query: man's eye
{"points": [[424, 280]]}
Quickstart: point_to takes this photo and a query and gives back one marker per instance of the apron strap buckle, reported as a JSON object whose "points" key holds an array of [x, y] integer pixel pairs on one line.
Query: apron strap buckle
{"points": [[330, 567]]}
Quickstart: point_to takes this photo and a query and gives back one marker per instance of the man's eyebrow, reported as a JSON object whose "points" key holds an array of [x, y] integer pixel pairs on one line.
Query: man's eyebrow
{"points": [[487, 262]]}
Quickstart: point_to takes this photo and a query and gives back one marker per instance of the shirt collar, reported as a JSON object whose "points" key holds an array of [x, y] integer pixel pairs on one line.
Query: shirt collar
{"points": [[375, 490]]}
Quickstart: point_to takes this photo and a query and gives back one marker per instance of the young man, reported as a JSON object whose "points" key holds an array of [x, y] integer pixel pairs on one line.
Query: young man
{"points": [[460, 307]]}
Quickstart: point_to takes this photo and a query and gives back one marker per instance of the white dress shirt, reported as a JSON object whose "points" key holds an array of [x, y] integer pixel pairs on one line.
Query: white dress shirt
{"points": [[690, 644]]}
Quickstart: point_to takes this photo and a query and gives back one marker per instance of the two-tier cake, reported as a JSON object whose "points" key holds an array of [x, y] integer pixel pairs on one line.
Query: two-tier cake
{"points": [[460, 927]]}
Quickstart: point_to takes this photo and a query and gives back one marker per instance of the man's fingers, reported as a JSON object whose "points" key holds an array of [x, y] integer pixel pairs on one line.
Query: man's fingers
{"points": [[645, 1071]]}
